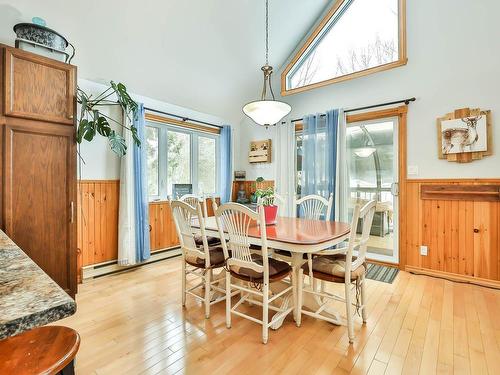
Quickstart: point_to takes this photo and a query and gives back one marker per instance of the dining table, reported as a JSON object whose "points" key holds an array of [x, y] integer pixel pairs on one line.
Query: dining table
{"points": [[299, 236]]}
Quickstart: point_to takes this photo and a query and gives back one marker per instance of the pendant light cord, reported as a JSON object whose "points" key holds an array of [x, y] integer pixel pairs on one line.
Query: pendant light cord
{"points": [[267, 32], [267, 54]]}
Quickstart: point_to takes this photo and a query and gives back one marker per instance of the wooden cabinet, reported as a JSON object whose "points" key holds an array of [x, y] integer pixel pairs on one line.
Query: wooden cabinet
{"points": [[38, 161], [51, 86]]}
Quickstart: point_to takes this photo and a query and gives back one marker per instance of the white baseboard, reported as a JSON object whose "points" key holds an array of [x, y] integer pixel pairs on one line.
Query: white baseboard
{"points": [[102, 269]]}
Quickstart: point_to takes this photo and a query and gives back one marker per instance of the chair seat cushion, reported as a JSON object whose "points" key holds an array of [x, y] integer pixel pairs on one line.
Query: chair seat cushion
{"points": [[332, 268], [277, 270], [216, 258], [211, 241]]}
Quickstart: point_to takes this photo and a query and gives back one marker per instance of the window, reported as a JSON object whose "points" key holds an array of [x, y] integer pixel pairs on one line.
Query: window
{"points": [[357, 37], [180, 156], [206, 165], [152, 160], [178, 159], [320, 156], [299, 152]]}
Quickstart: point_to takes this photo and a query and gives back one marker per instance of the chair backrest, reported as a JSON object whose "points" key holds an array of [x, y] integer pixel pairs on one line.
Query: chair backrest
{"points": [[193, 200], [313, 206], [185, 217], [234, 221], [366, 214]]}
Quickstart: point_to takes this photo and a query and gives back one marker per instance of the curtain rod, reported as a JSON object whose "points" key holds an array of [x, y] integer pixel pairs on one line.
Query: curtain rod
{"points": [[406, 101], [183, 118]]}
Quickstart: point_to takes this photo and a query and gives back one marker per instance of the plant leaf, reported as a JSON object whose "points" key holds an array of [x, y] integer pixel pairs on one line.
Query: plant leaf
{"points": [[126, 102], [86, 130], [135, 136], [117, 143], [103, 127]]}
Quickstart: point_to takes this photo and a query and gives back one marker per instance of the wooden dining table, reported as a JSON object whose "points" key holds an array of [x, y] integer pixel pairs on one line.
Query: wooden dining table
{"points": [[298, 236]]}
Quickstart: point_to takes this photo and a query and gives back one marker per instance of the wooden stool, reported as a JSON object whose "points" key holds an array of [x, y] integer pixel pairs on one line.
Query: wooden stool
{"points": [[43, 350]]}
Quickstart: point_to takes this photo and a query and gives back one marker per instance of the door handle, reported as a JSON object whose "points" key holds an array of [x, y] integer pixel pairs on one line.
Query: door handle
{"points": [[395, 189], [72, 209]]}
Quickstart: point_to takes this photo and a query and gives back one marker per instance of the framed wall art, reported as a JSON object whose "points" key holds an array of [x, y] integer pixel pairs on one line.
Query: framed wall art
{"points": [[465, 135]]}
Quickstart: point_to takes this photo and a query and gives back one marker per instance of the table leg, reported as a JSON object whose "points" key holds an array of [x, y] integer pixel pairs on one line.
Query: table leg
{"points": [[296, 264]]}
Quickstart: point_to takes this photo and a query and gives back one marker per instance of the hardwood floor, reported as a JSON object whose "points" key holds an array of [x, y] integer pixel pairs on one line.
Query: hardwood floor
{"points": [[133, 323]]}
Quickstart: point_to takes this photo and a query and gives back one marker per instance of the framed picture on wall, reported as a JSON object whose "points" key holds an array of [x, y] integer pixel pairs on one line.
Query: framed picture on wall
{"points": [[464, 135]]}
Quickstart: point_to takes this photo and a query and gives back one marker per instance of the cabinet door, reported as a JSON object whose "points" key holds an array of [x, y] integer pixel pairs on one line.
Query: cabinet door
{"points": [[38, 88], [40, 196]]}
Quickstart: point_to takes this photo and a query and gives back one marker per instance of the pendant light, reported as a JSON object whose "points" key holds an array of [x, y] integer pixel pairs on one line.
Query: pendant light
{"points": [[267, 112], [365, 152]]}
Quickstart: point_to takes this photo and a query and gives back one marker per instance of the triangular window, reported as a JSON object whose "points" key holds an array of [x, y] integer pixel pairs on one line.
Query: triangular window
{"points": [[357, 37]]}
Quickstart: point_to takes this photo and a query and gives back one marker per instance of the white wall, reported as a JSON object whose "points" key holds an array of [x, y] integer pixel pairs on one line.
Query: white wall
{"points": [[454, 62], [100, 163], [249, 131]]}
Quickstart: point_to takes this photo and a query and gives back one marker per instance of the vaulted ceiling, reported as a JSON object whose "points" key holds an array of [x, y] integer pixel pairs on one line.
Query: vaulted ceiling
{"points": [[200, 54]]}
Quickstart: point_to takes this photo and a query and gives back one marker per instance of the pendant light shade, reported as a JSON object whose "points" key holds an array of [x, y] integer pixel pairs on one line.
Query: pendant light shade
{"points": [[365, 152], [267, 112]]}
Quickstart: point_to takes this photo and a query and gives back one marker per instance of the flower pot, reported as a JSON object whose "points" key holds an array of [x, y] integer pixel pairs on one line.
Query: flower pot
{"points": [[270, 213]]}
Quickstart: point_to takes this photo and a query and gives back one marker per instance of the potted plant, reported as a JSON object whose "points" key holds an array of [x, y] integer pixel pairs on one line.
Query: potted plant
{"points": [[266, 200], [93, 121], [255, 188]]}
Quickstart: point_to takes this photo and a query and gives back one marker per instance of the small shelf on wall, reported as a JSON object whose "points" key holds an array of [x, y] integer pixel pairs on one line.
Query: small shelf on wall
{"points": [[485, 193], [260, 152]]}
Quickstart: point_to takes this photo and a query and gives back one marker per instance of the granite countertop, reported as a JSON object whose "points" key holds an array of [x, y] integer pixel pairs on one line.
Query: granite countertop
{"points": [[29, 298]]}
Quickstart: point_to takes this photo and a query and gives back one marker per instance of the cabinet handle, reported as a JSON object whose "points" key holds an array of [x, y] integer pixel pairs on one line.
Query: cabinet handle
{"points": [[72, 208], [70, 117]]}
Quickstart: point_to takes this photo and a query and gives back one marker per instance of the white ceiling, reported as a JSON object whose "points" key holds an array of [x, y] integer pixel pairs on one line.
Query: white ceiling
{"points": [[201, 54]]}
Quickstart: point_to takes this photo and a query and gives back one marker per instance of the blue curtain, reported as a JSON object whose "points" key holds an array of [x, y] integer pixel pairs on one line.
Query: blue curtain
{"points": [[141, 190], [319, 155], [332, 125], [225, 167]]}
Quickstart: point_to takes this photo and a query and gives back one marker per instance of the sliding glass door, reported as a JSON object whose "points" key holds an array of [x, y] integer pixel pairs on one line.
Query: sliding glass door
{"points": [[372, 155]]}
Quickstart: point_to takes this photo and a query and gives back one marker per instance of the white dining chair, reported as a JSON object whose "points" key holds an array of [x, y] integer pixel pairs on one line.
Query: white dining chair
{"points": [[340, 266], [193, 200], [251, 272], [197, 260], [314, 206]]}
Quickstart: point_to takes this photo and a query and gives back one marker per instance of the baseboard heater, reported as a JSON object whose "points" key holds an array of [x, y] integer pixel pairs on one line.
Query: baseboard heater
{"points": [[107, 268]]}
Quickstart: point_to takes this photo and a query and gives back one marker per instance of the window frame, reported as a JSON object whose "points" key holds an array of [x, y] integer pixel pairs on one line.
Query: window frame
{"points": [[163, 129], [315, 37]]}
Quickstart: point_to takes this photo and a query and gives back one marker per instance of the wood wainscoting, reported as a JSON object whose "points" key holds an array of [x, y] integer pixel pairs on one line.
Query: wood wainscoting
{"points": [[462, 234], [97, 221], [162, 228], [250, 187]]}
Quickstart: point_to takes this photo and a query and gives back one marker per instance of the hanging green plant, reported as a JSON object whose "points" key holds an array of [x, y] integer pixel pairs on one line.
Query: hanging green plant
{"points": [[92, 121]]}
